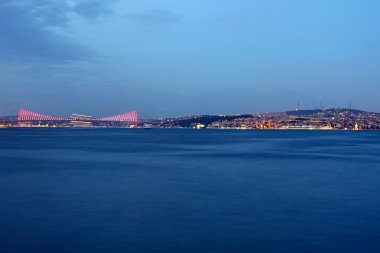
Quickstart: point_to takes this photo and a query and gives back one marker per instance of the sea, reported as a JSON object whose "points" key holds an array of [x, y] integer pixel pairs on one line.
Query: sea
{"points": [[185, 190]]}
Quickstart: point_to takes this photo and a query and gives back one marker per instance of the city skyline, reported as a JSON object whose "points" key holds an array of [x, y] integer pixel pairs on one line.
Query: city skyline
{"points": [[172, 58], [317, 119], [295, 108]]}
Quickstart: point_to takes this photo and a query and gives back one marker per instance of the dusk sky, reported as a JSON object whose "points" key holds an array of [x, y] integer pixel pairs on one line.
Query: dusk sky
{"points": [[177, 57]]}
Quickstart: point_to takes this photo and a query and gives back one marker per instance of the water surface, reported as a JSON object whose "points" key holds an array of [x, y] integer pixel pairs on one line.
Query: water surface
{"points": [[166, 190]]}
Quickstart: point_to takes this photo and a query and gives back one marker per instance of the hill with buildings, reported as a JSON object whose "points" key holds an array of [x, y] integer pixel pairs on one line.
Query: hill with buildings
{"points": [[333, 118]]}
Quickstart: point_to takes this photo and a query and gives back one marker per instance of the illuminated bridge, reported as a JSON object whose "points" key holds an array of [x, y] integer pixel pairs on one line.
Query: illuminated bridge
{"points": [[29, 116]]}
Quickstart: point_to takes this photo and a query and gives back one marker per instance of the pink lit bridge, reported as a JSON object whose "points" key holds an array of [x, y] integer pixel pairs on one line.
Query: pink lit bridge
{"points": [[29, 116]]}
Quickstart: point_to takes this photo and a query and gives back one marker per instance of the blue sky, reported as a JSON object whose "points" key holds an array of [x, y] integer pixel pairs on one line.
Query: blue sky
{"points": [[172, 58]]}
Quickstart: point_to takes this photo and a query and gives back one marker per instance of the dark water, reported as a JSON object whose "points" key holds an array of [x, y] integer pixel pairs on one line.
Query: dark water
{"points": [[104, 190]]}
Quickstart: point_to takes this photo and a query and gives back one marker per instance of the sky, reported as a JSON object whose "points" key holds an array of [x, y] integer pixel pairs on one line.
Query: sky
{"points": [[169, 58]]}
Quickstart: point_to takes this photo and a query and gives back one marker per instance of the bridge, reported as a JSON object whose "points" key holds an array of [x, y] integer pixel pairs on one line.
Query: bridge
{"points": [[29, 116]]}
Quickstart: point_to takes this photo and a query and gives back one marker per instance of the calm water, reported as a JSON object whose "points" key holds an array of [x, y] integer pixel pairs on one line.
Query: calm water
{"points": [[119, 190]]}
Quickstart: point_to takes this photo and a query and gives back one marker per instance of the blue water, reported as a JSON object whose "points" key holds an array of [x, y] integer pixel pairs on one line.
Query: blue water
{"points": [[120, 190]]}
